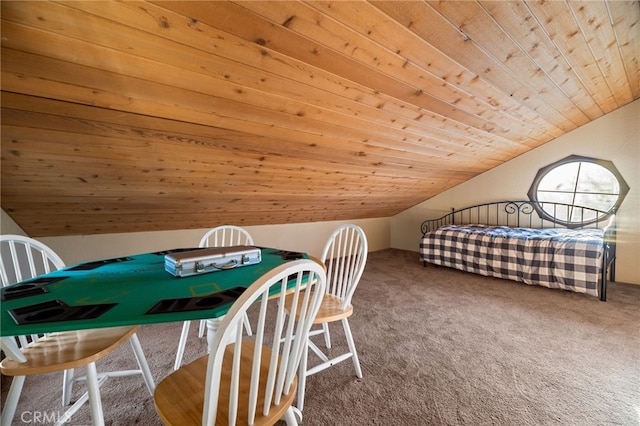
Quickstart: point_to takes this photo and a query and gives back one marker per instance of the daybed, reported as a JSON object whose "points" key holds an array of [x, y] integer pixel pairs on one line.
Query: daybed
{"points": [[525, 241]]}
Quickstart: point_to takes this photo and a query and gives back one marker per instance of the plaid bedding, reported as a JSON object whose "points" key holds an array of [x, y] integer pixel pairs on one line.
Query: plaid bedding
{"points": [[555, 258]]}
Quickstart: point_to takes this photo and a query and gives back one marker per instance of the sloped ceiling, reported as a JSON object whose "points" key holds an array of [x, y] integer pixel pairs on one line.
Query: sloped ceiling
{"points": [[143, 116]]}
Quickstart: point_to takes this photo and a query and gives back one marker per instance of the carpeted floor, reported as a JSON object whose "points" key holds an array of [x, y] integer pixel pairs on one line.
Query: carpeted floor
{"points": [[437, 347]]}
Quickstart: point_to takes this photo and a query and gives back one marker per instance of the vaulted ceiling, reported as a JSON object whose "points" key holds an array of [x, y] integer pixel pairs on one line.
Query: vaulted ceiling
{"points": [[142, 116]]}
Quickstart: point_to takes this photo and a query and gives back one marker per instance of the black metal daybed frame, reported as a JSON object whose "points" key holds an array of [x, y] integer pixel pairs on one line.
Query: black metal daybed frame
{"points": [[537, 215]]}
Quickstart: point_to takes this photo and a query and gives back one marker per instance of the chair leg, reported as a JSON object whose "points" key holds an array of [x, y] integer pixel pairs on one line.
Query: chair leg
{"points": [[66, 416], [202, 328], [352, 348], [93, 384], [327, 336], [290, 417], [182, 343], [11, 403], [67, 386], [318, 352], [97, 416], [142, 363], [302, 377]]}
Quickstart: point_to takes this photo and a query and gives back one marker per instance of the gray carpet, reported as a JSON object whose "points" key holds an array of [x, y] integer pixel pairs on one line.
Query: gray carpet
{"points": [[437, 347]]}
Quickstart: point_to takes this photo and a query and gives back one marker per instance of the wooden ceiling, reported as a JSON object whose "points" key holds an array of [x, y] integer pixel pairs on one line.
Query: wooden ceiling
{"points": [[145, 116]]}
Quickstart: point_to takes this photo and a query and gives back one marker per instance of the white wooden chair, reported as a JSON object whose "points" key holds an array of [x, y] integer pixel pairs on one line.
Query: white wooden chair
{"points": [[345, 256], [24, 258], [249, 381], [221, 236]]}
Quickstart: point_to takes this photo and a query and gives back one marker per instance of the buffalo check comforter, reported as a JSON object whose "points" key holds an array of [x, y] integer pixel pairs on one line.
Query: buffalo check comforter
{"points": [[555, 258]]}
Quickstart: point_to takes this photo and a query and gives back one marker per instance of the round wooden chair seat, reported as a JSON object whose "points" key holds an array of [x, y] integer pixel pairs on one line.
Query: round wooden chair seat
{"points": [[65, 350], [330, 309], [179, 398]]}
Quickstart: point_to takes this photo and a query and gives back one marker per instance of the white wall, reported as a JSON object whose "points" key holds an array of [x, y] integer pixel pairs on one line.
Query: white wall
{"points": [[8, 226], [304, 237], [614, 137]]}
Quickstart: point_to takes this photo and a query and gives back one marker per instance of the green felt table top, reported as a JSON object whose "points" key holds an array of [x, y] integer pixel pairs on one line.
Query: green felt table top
{"points": [[123, 292]]}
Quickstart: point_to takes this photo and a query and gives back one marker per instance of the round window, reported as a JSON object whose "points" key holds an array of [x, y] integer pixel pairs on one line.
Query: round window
{"points": [[576, 182]]}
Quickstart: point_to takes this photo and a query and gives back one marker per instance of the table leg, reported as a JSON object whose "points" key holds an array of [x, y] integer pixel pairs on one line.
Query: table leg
{"points": [[212, 329]]}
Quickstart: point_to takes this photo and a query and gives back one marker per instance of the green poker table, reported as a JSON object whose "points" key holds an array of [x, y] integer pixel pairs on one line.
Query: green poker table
{"points": [[130, 290]]}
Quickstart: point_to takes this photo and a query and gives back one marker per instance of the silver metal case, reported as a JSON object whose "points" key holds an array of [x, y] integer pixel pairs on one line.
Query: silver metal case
{"points": [[201, 261]]}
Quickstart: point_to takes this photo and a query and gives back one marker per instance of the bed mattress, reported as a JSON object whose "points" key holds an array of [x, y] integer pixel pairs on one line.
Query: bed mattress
{"points": [[556, 258]]}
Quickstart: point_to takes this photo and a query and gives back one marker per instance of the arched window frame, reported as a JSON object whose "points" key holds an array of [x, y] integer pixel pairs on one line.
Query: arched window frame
{"points": [[533, 190]]}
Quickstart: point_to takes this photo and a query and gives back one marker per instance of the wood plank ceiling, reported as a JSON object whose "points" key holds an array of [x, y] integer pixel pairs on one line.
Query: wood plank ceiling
{"points": [[143, 116]]}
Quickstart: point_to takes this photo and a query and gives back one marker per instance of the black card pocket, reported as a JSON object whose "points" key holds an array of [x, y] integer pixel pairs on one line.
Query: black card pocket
{"points": [[57, 311], [31, 288], [198, 303]]}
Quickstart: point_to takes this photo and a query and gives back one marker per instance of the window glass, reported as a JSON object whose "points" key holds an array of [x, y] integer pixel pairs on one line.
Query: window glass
{"points": [[596, 201], [579, 215], [555, 197], [594, 178], [562, 178], [561, 214]]}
